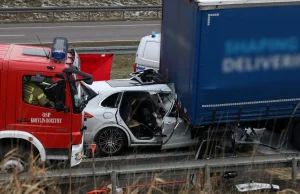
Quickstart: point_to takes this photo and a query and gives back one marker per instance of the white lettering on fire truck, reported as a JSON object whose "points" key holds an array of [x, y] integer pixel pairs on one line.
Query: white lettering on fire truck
{"points": [[46, 114], [46, 119]]}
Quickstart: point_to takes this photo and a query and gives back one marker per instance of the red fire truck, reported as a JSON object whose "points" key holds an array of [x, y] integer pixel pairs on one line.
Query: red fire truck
{"points": [[54, 128]]}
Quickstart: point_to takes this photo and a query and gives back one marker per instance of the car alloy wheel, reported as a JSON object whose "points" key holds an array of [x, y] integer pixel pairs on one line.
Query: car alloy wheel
{"points": [[111, 140]]}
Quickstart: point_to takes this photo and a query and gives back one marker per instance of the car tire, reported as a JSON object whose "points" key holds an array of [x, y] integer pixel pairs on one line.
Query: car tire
{"points": [[111, 141]]}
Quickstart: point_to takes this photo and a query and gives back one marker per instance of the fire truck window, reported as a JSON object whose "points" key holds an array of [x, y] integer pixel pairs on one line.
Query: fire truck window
{"points": [[111, 101], [34, 93]]}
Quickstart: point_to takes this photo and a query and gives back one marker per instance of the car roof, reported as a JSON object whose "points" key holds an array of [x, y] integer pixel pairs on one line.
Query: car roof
{"points": [[122, 85], [104, 89]]}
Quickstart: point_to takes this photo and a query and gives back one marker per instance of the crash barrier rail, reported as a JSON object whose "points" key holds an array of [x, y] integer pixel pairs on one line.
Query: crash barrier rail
{"points": [[221, 165], [87, 9], [117, 50]]}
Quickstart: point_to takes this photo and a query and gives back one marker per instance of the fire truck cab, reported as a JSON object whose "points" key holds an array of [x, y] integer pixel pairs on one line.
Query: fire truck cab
{"points": [[53, 126]]}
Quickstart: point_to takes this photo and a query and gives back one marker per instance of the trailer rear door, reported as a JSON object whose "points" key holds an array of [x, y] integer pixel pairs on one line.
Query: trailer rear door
{"points": [[249, 64]]}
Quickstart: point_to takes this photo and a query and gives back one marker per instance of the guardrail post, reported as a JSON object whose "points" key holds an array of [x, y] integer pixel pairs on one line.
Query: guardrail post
{"points": [[89, 16], [123, 15], [207, 183], [157, 14], [114, 182], [17, 17], [294, 172], [52, 16]]}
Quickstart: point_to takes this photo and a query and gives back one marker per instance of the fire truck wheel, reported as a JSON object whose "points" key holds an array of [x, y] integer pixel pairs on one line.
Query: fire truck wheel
{"points": [[14, 160], [111, 141]]}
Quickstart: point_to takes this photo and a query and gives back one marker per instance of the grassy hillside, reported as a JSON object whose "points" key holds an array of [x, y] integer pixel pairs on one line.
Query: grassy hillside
{"points": [[44, 3]]}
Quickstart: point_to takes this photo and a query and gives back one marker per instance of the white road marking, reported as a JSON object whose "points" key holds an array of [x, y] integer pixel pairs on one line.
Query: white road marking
{"points": [[12, 35], [53, 27]]}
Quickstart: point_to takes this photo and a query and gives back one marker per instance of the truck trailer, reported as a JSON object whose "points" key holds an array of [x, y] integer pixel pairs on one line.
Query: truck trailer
{"points": [[50, 119], [234, 63]]}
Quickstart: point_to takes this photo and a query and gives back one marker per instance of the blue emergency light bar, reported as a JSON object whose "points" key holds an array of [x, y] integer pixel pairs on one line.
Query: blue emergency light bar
{"points": [[153, 34], [59, 49]]}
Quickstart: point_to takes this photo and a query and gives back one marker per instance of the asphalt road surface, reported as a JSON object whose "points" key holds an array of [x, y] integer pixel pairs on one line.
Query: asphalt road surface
{"points": [[78, 31]]}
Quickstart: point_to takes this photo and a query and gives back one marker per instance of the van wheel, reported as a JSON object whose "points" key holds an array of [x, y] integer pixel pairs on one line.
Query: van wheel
{"points": [[295, 136], [111, 141]]}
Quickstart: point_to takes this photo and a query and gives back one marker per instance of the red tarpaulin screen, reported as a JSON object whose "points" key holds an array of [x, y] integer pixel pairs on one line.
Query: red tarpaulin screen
{"points": [[98, 65]]}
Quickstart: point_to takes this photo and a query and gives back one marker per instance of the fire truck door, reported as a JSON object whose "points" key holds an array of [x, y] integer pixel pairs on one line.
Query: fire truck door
{"points": [[52, 128]]}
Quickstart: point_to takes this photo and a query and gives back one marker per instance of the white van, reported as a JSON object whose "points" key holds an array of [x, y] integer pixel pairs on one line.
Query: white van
{"points": [[148, 53]]}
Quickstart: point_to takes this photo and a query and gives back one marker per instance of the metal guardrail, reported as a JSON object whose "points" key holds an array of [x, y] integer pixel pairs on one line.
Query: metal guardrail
{"points": [[88, 9], [117, 50], [192, 166]]}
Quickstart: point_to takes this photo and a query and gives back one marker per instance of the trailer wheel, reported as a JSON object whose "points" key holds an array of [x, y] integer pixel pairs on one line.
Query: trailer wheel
{"points": [[111, 141], [277, 126], [295, 136]]}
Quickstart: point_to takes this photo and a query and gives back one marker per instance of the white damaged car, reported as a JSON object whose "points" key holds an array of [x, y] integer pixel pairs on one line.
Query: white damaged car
{"points": [[139, 111]]}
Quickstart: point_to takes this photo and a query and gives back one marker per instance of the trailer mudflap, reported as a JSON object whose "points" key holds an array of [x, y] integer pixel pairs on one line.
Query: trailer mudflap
{"points": [[98, 65]]}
